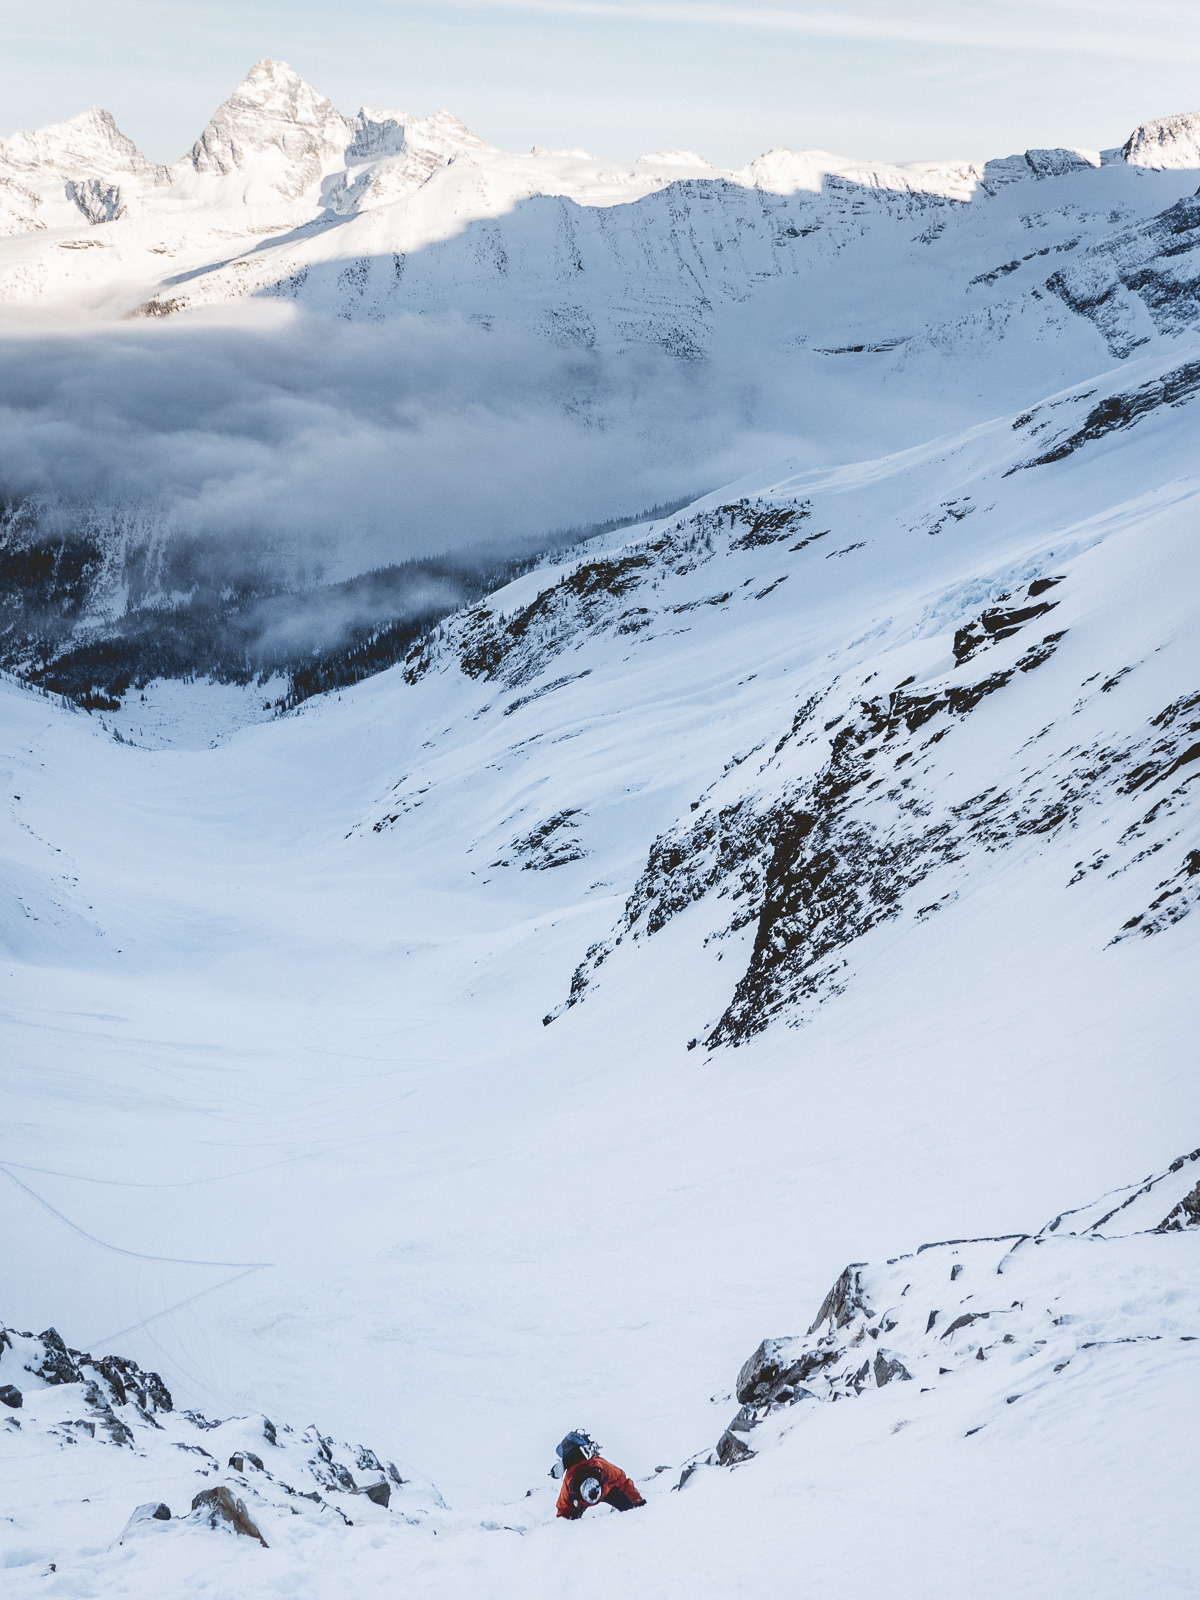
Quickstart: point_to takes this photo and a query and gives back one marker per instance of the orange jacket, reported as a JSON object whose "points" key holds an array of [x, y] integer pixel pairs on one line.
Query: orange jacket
{"points": [[615, 1488]]}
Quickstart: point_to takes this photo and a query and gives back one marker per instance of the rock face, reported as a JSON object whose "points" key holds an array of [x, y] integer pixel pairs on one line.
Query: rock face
{"points": [[1140, 281], [1038, 1302], [1185, 1215], [1167, 142]]}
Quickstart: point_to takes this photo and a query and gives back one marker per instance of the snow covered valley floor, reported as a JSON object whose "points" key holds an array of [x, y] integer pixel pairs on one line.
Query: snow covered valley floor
{"points": [[513, 1042]]}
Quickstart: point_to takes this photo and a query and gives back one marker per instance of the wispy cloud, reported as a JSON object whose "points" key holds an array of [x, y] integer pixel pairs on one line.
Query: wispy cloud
{"points": [[1167, 33]]}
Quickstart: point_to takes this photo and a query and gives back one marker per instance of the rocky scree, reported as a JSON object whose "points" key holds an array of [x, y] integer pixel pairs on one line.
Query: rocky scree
{"points": [[268, 1469]]}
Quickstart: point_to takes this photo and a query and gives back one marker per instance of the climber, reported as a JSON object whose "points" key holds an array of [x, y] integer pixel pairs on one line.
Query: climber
{"points": [[589, 1480]]}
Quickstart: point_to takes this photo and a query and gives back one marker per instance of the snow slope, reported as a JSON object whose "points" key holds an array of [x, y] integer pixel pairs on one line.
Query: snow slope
{"points": [[514, 1041]]}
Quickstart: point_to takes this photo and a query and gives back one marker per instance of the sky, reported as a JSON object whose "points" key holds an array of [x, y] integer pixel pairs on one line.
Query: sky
{"points": [[889, 79]]}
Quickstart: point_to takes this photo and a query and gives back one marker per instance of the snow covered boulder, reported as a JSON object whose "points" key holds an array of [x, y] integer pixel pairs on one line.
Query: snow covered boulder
{"points": [[147, 1518], [764, 1369]]}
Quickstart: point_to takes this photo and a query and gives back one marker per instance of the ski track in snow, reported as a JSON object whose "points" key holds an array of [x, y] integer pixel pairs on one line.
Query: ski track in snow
{"points": [[537, 1026]]}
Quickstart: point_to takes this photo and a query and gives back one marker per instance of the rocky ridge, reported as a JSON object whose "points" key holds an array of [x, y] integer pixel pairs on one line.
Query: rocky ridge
{"points": [[1090, 1284], [879, 789]]}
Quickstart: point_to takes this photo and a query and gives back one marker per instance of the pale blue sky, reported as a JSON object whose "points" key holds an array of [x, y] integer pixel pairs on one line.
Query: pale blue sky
{"points": [[883, 78]]}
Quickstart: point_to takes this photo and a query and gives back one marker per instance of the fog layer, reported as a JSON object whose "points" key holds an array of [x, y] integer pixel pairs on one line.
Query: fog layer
{"points": [[327, 448]]}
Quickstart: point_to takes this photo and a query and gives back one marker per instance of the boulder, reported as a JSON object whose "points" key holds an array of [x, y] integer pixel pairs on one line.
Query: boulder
{"points": [[763, 1370], [889, 1367], [10, 1396], [240, 1459], [731, 1450], [221, 1508], [378, 1494]]}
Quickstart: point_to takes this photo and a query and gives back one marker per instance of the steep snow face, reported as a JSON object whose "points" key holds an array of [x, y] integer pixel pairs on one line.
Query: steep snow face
{"points": [[873, 789], [1008, 1357], [1167, 142]]}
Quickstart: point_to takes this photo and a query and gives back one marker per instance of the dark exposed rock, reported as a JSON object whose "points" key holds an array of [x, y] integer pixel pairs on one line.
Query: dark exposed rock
{"points": [[10, 1396], [764, 525], [1185, 1215], [1123, 410], [220, 1508], [123, 1381], [1175, 899], [106, 1418], [965, 1321], [763, 1370], [240, 1458], [57, 1366], [378, 1494], [887, 1368], [1000, 622], [843, 1302], [731, 1450], [814, 868]]}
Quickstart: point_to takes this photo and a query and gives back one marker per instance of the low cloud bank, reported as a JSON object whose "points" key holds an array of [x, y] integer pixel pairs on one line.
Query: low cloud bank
{"points": [[231, 495], [324, 449]]}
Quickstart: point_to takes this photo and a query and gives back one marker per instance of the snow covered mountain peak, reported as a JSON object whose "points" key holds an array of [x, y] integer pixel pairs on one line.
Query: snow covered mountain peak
{"points": [[88, 142], [675, 158], [278, 128], [86, 165], [1167, 142]]}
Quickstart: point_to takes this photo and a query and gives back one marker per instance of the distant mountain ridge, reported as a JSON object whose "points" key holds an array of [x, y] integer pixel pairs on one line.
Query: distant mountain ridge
{"points": [[277, 152]]}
